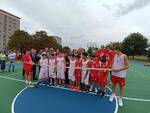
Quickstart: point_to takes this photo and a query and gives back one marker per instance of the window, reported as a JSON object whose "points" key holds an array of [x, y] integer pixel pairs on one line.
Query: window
{"points": [[9, 29], [4, 40]]}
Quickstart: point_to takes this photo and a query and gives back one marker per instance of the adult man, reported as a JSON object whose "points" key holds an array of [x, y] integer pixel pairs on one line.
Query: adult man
{"points": [[102, 52], [35, 60], [11, 58], [2, 60], [120, 65]]}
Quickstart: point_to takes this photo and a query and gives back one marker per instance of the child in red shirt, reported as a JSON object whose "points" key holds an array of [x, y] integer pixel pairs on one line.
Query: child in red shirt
{"points": [[103, 74], [94, 74], [27, 66], [78, 71]]}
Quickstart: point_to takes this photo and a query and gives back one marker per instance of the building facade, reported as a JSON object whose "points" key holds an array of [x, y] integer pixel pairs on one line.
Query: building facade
{"points": [[58, 39], [9, 23]]}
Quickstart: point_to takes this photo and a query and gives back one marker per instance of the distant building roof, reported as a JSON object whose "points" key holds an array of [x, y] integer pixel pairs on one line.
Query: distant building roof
{"points": [[9, 14]]}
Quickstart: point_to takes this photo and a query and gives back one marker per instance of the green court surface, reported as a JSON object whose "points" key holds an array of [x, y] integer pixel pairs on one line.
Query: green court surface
{"points": [[136, 94]]}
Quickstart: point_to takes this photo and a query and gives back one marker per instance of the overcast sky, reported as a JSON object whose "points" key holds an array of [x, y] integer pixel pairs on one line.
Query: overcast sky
{"points": [[82, 21]]}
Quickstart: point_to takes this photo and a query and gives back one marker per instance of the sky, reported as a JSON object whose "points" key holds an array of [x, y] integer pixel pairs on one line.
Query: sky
{"points": [[79, 22]]}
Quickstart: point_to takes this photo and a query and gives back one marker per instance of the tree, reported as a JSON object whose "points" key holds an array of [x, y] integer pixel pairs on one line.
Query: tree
{"points": [[90, 50], [42, 40], [20, 40], [148, 53], [112, 45], [134, 44]]}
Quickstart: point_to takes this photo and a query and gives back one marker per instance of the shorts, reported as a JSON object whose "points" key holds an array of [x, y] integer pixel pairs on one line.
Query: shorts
{"points": [[61, 75], [94, 79], [85, 80], [103, 80], [28, 71], [78, 77], [53, 75], [72, 78], [43, 73], [118, 80]]}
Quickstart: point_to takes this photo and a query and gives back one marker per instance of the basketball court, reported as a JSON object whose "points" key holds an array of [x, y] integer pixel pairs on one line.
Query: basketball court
{"points": [[16, 98]]}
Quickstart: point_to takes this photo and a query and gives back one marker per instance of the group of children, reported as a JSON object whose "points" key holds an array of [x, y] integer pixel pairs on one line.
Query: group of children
{"points": [[85, 72]]}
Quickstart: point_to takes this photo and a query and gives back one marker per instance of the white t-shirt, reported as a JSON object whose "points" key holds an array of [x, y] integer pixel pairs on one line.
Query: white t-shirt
{"points": [[60, 64], [52, 65], [44, 63], [119, 62], [12, 56], [71, 67]]}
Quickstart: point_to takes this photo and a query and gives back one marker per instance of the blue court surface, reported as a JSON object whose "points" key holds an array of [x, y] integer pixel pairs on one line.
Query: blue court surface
{"points": [[46, 99]]}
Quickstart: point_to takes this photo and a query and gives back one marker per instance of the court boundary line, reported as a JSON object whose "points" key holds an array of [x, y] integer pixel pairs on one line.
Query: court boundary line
{"points": [[126, 98], [116, 110], [13, 79], [15, 98]]}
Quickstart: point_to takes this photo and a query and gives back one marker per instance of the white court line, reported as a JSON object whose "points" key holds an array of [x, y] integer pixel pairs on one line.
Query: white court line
{"points": [[13, 103], [13, 79], [116, 109], [126, 98], [136, 99]]}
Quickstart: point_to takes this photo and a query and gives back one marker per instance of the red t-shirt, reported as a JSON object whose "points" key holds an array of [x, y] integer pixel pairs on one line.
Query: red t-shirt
{"points": [[102, 52], [27, 58], [96, 53], [78, 72], [94, 73], [78, 63], [103, 75], [105, 66]]}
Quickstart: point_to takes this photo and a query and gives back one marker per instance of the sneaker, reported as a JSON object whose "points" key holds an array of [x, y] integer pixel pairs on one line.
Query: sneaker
{"points": [[26, 84], [112, 97], [99, 92], [120, 102], [91, 89], [78, 88], [72, 87], [103, 93], [30, 85], [96, 90]]}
